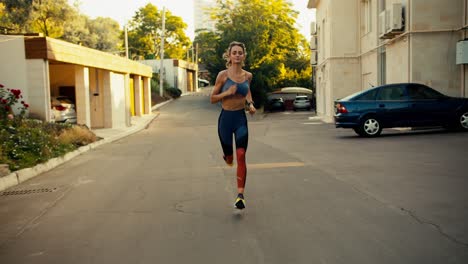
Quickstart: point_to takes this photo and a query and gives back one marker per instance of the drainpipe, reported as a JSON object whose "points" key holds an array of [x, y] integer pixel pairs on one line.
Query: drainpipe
{"points": [[463, 81], [408, 28]]}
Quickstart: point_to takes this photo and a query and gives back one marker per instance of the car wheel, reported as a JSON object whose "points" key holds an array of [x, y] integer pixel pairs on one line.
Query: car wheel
{"points": [[463, 120], [369, 127]]}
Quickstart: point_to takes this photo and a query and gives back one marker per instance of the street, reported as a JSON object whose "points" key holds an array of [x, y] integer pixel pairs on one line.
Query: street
{"points": [[314, 194]]}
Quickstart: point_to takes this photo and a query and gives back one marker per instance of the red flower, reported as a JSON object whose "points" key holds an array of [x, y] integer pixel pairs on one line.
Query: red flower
{"points": [[16, 93], [1, 85], [26, 105]]}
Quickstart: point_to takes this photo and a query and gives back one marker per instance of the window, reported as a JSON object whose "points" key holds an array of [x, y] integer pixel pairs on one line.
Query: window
{"points": [[382, 4], [391, 93], [382, 66], [367, 16], [323, 39], [421, 92], [368, 96]]}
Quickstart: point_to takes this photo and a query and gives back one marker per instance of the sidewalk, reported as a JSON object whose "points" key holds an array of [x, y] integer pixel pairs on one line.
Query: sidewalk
{"points": [[107, 134]]}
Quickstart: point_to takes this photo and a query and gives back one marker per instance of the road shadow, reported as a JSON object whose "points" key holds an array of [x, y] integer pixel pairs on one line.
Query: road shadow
{"points": [[389, 133]]}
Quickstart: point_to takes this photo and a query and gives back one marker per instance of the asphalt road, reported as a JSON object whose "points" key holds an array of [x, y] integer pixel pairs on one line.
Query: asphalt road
{"points": [[315, 194]]}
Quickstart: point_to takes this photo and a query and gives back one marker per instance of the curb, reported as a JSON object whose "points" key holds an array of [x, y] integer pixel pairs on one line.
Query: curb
{"points": [[156, 107], [23, 175]]}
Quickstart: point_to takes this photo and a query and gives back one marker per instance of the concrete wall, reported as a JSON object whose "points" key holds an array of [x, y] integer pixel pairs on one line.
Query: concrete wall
{"points": [[82, 84], [343, 29], [117, 82], [435, 14], [439, 69], [398, 61], [369, 70], [13, 69], [345, 78], [38, 89]]}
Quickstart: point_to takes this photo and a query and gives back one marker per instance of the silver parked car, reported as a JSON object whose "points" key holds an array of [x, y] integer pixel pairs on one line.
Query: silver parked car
{"points": [[301, 102], [63, 109]]}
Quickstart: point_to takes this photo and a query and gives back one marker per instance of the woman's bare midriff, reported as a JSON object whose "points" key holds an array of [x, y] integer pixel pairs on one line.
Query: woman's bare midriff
{"points": [[233, 102]]}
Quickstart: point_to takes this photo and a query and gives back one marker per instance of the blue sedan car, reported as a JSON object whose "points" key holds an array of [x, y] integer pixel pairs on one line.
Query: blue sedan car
{"points": [[400, 105]]}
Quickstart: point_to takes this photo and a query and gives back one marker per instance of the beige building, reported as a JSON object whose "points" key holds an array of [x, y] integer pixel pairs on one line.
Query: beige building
{"points": [[178, 74], [107, 90], [357, 44]]}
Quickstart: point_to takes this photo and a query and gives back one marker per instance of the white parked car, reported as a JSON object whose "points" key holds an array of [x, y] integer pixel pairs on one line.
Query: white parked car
{"points": [[203, 82], [63, 109], [301, 102]]}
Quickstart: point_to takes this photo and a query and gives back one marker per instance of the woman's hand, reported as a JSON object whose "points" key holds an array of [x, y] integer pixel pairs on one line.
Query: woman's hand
{"points": [[232, 90], [252, 109]]}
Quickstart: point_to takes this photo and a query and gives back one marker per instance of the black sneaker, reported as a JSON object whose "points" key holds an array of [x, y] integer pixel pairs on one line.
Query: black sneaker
{"points": [[240, 203]]}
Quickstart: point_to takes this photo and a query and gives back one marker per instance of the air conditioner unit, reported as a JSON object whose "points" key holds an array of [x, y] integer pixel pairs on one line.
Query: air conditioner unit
{"points": [[395, 19], [313, 58], [313, 28], [313, 43]]}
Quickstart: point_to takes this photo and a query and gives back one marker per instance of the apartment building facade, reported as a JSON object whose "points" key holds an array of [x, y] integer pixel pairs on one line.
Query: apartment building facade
{"points": [[357, 44]]}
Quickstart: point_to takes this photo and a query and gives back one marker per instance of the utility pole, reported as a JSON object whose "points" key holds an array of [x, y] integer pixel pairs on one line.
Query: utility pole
{"points": [[161, 69], [126, 42], [193, 53], [196, 53]]}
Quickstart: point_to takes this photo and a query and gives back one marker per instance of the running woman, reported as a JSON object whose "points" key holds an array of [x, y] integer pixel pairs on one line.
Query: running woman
{"points": [[232, 88]]}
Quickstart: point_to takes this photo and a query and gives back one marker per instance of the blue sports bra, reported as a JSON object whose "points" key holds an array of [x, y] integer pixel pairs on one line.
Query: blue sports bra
{"points": [[242, 88]]}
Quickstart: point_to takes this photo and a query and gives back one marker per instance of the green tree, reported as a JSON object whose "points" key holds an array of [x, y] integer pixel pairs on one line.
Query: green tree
{"points": [[207, 42], [14, 14], [101, 33], [107, 32], [144, 32], [49, 16], [273, 43], [75, 30]]}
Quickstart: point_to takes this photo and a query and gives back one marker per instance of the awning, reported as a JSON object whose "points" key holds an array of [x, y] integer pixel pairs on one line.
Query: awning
{"points": [[301, 90]]}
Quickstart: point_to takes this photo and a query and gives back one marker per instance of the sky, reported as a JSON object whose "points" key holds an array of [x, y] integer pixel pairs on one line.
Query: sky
{"points": [[124, 10]]}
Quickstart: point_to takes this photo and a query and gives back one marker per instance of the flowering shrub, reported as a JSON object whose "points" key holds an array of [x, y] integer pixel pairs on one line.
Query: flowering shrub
{"points": [[28, 142], [8, 98]]}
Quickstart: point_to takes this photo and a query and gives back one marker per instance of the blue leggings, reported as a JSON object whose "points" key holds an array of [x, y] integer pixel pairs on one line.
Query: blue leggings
{"points": [[229, 123]]}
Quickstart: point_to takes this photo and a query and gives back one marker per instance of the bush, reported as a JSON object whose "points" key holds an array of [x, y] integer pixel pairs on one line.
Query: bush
{"points": [[174, 92], [25, 142], [77, 136]]}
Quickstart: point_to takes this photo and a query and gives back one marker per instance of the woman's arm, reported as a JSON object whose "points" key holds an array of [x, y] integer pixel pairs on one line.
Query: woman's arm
{"points": [[216, 96], [248, 97]]}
